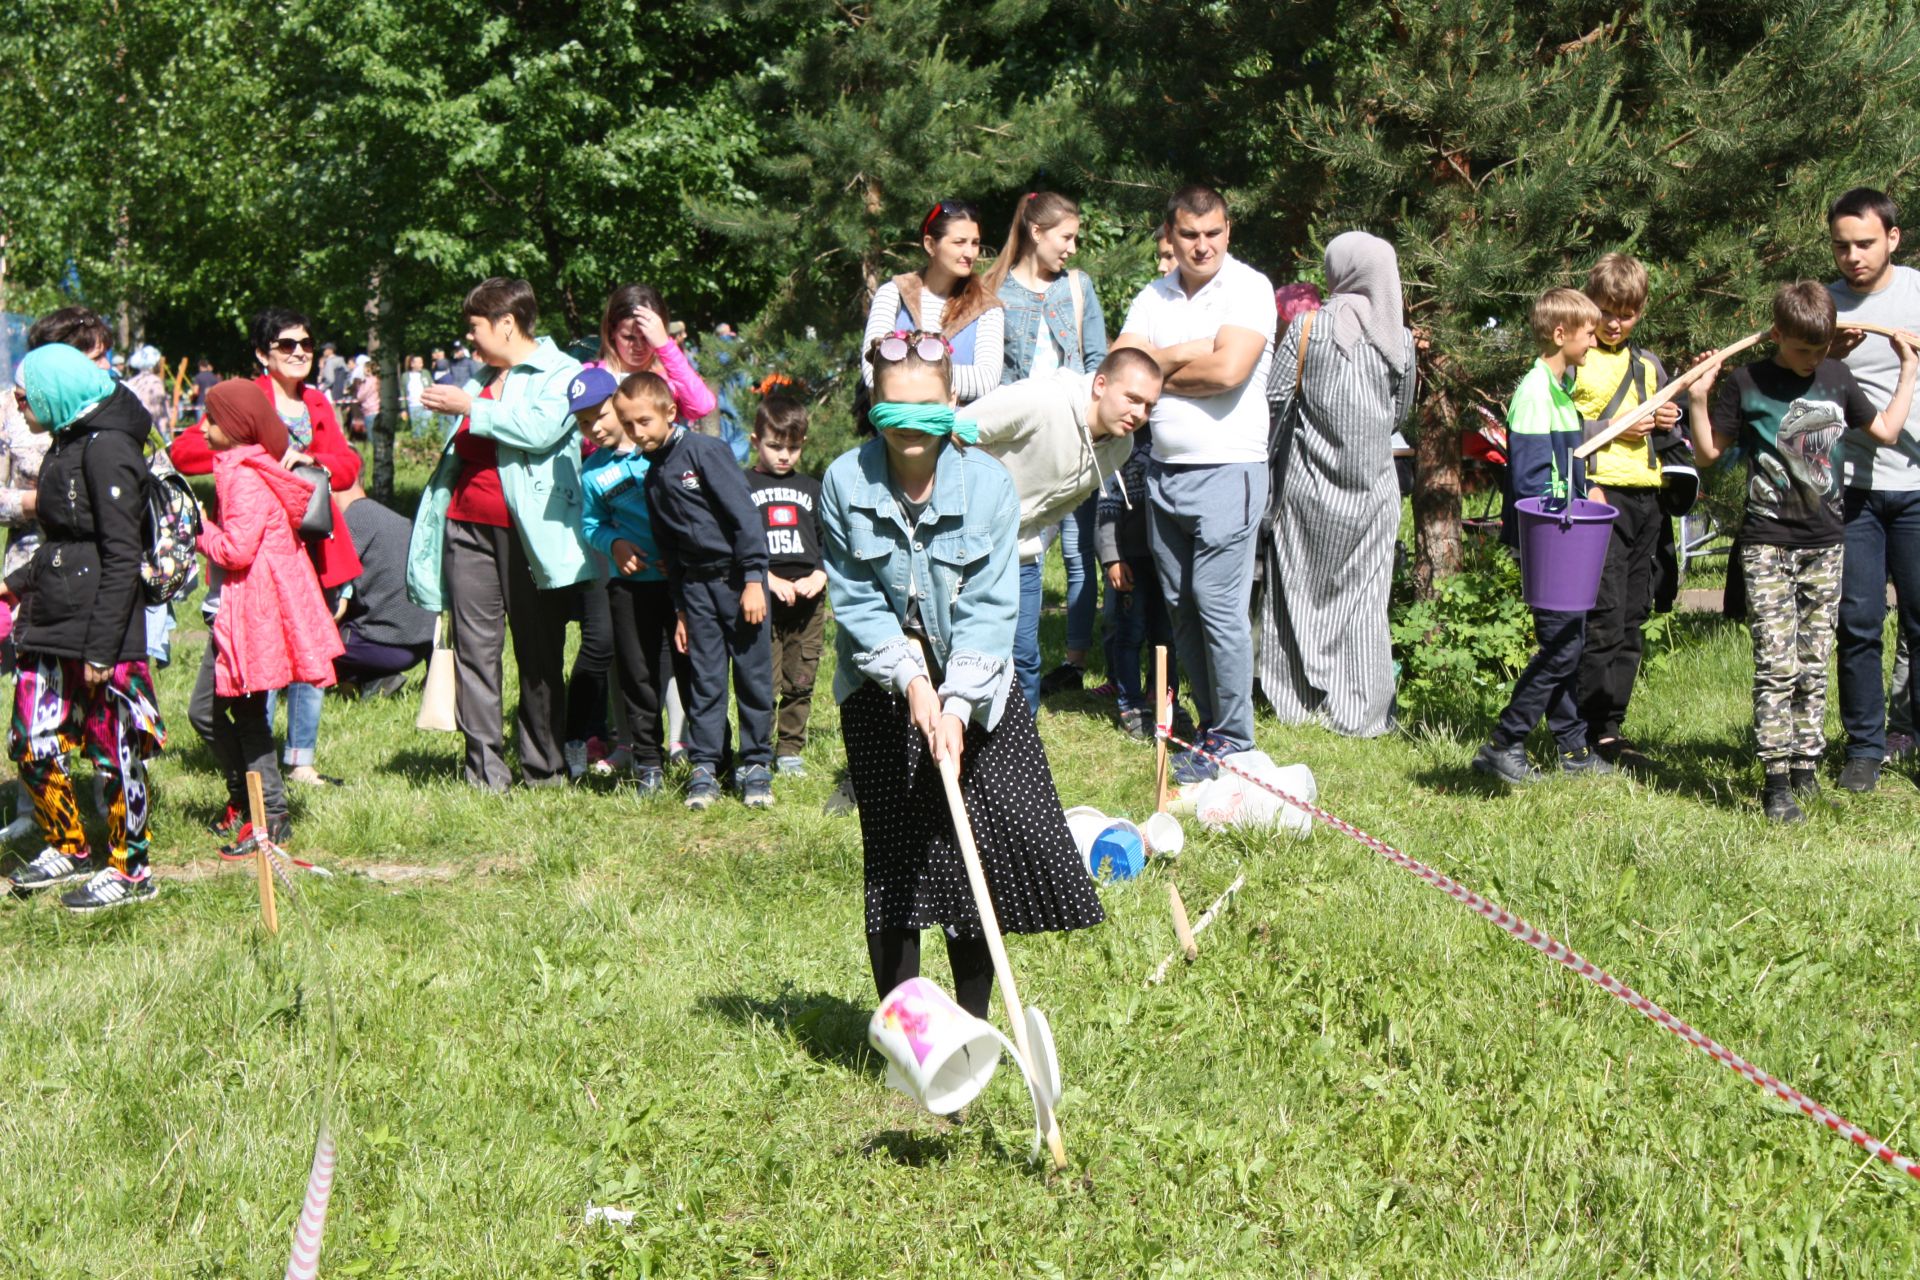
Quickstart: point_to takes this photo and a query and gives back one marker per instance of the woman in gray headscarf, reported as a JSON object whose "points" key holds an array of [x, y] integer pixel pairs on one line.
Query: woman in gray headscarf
{"points": [[1325, 652]]}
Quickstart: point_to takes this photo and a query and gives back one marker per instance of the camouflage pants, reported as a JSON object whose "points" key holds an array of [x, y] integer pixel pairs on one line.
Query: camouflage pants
{"points": [[1792, 596]]}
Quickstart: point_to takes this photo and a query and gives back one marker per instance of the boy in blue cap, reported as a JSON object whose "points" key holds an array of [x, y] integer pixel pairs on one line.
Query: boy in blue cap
{"points": [[619, 526]]}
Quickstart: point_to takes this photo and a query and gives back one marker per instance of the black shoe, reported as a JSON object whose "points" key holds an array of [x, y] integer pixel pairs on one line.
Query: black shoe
{"points": [[1065, 678], [1623, 754], [1776, 801], [1860, 774], [227, 823], [49, 868], [1804, 782], [108, 888], [1584, 760], [1507, 764]]}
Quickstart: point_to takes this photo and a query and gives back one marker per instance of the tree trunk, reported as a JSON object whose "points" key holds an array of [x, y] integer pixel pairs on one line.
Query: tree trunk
{"points": [[1436, 492], [385, 348]]}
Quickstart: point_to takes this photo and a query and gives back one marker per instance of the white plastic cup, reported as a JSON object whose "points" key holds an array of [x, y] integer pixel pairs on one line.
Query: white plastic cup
{"points": [[937, 1053], [1164, 835]]}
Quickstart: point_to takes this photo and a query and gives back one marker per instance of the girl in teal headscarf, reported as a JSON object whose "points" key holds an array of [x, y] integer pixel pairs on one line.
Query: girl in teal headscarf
{"points": [[61, 385], [83, 676]]}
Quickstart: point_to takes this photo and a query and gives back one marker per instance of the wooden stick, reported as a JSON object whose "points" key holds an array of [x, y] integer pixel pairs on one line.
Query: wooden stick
{"points": [[1161, 715], [1002, 970], [1645, 408], [1154, 979], [257, 808], [1180, 929]]}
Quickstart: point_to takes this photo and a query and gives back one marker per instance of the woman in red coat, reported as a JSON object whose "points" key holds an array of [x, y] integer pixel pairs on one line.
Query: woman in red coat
{"points": [[283, 343], [273, 628]]}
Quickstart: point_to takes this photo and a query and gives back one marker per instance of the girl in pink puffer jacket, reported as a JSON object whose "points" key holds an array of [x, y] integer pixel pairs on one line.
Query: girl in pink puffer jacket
{"points": [[273, 627]]}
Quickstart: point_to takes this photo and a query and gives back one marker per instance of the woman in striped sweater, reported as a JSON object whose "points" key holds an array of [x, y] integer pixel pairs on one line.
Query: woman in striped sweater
{"points": [[1325, 651], [947, 298]]}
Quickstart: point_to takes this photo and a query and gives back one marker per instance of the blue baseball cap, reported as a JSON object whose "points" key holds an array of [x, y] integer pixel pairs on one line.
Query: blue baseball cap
{"points": [[590, 387]]}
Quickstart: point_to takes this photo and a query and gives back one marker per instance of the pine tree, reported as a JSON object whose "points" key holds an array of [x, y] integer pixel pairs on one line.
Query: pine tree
{"points": [[875, 112], [1504, 146]]}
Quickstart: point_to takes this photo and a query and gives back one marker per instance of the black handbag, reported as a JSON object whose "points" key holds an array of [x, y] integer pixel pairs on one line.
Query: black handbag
{"points": [[317, 520]]}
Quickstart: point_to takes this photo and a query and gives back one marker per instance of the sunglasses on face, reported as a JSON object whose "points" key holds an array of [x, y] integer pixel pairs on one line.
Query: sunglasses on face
{"points": [[931, 347], [287, 346]]}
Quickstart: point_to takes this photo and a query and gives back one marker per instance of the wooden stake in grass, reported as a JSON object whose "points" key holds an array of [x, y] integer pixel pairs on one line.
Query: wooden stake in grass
{"points": [[1160, 971], [1161, 715], [257, 813], [1180, 929], [1002, 970]]}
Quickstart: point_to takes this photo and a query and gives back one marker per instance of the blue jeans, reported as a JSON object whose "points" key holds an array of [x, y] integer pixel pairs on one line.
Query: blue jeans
{"points": [[1203, 522], [1546, 687], [1083, 574], [303, 722], [1883, 539], [1026, 636], [1136, 620]]}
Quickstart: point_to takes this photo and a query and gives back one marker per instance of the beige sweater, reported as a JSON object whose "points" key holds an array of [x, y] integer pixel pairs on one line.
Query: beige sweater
{"points": [[1038, 430]]}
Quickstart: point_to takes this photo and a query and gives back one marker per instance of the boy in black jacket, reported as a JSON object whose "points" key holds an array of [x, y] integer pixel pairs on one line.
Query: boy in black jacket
{"points": [[709, 532], [82, 635]]}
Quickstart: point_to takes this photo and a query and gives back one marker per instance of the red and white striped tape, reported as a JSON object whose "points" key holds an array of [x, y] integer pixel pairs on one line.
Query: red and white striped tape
{"points": [[1559, 952], [305, 1262]]}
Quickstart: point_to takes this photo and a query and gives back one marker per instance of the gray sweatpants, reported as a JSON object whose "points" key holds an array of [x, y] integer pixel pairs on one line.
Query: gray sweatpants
{"points": [[491, 595], [1203, 527]]}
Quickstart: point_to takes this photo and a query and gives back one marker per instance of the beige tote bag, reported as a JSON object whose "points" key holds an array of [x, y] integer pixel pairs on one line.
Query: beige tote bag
{"points": [[436, 697]]}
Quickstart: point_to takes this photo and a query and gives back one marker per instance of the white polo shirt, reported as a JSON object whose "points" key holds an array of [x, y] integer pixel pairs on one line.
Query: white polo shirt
{"points": [[1231, 427]]}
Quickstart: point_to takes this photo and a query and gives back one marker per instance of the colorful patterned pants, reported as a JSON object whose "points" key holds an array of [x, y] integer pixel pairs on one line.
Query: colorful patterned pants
{"points": [[118, 724], [1792, 594]]}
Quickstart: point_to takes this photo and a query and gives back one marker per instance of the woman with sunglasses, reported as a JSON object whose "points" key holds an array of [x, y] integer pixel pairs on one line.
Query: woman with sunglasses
{"points": [[945, 297], [921, 539], [284, 344]]}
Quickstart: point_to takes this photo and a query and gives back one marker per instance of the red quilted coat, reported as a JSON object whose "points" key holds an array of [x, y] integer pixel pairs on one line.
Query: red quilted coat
{"points": [[273, 628]]}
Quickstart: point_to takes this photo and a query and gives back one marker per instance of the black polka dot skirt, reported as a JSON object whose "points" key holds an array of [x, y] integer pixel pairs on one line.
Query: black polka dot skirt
{"points": [[915, 877]]}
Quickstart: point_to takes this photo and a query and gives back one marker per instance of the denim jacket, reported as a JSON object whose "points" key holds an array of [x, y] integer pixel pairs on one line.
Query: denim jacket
{"points": [[960, 559], [1024, 307]]}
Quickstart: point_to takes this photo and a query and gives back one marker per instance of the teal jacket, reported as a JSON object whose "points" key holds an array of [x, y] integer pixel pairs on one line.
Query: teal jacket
{"points": [[539, 458]]}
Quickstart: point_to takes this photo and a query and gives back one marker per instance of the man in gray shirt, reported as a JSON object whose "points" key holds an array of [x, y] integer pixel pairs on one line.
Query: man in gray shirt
{"points": [[1882, 501]]}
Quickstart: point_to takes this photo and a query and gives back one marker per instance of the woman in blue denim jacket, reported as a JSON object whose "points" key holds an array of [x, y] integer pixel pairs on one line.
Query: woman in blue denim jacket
{"points": [[1053, 322], [920, 538]]}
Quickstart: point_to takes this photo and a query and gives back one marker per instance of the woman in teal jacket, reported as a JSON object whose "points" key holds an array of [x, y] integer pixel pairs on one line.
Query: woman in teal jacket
{"points": [[497, 539], [921, 537]]}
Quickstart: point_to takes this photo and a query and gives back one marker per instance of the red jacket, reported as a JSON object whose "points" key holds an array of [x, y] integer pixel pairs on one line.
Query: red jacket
{"points": [[333, 558], [274, 627]]}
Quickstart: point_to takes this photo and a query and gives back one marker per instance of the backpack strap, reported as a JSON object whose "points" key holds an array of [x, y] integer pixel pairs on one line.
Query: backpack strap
{"points": [[1635, 370], [1300, 364]]}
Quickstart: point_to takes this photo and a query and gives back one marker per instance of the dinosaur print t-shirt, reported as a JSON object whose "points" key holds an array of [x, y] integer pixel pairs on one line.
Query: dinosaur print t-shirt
{"points": [[1788, 428]]}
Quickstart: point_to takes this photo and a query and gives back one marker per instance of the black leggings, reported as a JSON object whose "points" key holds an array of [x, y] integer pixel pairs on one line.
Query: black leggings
{"points": [[895, 956]]}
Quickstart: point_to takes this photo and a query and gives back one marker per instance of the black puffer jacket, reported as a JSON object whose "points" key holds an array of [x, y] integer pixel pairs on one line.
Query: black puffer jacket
{"points": [[82, 588]]}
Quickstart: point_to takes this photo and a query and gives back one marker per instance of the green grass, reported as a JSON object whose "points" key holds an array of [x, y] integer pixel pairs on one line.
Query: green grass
{"points": [[618, 1002]]}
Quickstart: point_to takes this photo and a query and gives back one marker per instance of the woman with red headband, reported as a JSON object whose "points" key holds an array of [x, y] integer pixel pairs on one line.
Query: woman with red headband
{"points": [[947, 298]]}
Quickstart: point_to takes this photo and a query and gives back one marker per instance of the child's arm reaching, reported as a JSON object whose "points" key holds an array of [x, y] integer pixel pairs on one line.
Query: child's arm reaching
{"points": [[1707, 448], [1892, 420]]}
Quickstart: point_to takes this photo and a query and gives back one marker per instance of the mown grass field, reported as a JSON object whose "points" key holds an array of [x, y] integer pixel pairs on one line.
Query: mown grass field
{"points": [[588, 998]]}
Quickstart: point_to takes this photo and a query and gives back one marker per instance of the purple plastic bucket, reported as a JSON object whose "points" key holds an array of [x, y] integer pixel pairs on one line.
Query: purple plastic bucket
{"points": [[1562, 552]]}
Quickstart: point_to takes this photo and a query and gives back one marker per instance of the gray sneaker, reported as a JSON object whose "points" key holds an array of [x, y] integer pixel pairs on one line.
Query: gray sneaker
{"points": [[1507, 764], [1860, 774], [756, 786], [1585, 760], [702, 788]]}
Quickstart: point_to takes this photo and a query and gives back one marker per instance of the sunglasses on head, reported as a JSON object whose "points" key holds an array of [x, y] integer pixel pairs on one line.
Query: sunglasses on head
{"points": [[931, 347], [287, 346]]}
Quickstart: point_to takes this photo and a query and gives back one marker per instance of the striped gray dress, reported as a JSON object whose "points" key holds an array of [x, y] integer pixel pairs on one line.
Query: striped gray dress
{"points": [[1325, 652]]}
